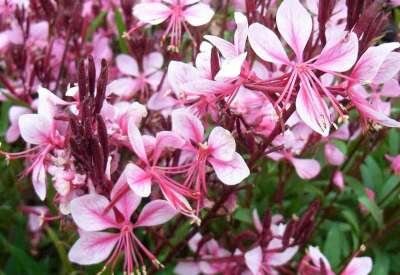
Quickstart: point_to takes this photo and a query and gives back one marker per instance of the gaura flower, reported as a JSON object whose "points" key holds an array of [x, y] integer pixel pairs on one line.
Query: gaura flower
{"points": [[178, 13], [339, 55], [96, 245]]}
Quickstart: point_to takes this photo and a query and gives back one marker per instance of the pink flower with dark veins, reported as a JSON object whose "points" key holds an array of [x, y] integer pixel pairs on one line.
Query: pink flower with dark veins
{"points": [[339, 55], [178, 13], [95, 245]]}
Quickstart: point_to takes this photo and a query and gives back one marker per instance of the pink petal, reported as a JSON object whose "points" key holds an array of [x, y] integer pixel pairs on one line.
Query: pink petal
{"points": [[156, 212], [39, 31], [253, 259], [389, 68], [35, 129], [222, 144], [125, 87], [333, 155], [92, 247], [139, 180], [358, 266], [87, 213], [164, 140], [136, 141], [12, 134], [39, 180], [231, 68], [281, 258], [152, 62], [187, 125], [338, 180], [198, 14], [295, 25], [257, 222], [184, 268], [242, 31], [159, 101], [227, 49], [151, 13], [180, 73], [369, 63], [313, 110], [49, 103], [127, 65], [230, 172], [316, 255], [266, 44], [206, 86], [306, 168], [339, 54], [366, 110], [391, 88], [129, 201]]}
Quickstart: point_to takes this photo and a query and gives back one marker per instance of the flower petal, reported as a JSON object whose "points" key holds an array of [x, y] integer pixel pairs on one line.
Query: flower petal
{"points": [[306, 168], [242, 31], [164, 140], [222, 144], [35, 129], [231, 68], [339, 54], [370, 62], [389, 68], [87, 212], [295, 25], [358, 266], [253, 259], [180, 73], [187, 125], [125, 87], [127, 65], [333, 155], [151, 13], [92, 247], [152, 62], [156, 212], [198, 14], [127, 202], [230, 172], [136, 141], [226, 48], [39, 180], [266, 44], [313, 110], [139, 180]]}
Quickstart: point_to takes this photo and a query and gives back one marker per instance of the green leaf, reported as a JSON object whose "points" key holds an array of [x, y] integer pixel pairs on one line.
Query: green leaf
{"points": [[24, 261], [96, 23], [119, 22], [351, 218], [381, 263], [394, 141], [244, 215], [375, 211], [389, 186], [332, 250]]}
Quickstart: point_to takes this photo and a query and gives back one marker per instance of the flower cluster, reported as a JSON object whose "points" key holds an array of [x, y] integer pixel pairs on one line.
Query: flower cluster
{"points": [[180, 104]]}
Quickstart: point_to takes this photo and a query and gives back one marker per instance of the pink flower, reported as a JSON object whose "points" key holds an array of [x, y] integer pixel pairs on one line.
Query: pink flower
{"points": [[315, 263], [178, 13], [339, 54], [265, 260], [140, 178], [234, 54], [394, 163], [208, 250], [219, 151], [96, 245], [137, 80]]}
